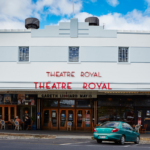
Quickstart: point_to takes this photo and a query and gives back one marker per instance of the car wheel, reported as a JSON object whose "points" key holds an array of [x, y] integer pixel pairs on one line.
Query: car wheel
{"points": [[137, 140], [122, 140], [99, 141]]}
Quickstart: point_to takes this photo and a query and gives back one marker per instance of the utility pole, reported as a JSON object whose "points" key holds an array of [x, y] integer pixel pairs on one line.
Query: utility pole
{"points": [[73, 8]]}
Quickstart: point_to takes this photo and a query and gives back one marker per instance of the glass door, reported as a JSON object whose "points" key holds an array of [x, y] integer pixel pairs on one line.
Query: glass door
{"points": [[54, 119], [87, 120], [139, 117], [6, 117], [12, 113], [1, 113], [66, 115], [62, 120], [83, 119], [71, 118], [46, 119], [79, 119], [7, 113]]}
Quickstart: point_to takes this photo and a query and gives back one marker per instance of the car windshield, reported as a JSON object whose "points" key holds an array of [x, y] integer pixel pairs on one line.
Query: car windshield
{"points": [[110, 124]]}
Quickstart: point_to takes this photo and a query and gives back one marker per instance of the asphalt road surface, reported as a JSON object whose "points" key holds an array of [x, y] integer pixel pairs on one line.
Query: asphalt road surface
{"points": [[66, 144]]}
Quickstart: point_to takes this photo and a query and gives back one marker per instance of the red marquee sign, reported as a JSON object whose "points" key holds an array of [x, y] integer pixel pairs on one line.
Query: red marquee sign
{"points": [[63, 85], [67, 85]]}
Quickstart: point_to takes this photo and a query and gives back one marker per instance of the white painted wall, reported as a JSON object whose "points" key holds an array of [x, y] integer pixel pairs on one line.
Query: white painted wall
{"points": [[118, 75], [96, 55], [24, 39]]}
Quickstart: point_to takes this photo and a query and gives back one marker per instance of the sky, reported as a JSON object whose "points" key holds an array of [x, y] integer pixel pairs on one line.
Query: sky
{"points": [[115, 14]]}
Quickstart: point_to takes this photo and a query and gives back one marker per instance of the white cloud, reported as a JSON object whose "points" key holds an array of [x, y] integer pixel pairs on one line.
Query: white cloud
{"points": [[134, 20], [14, 12], [16, 8], [113, 3], [148, 1], [59, 7]]}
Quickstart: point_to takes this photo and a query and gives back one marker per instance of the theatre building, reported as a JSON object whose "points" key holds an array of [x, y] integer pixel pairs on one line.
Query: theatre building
{"points": [[76, 72]]}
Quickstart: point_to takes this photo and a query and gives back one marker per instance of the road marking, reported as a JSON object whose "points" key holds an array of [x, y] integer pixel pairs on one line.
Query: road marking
{"points": [[66, 144], [126, 146], [73, 143]]}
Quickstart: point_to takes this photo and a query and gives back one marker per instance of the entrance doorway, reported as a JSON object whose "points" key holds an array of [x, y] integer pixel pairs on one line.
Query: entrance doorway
{"points": [[83, 119], [50, 119], [7, 112], [143, 117], [65, 116], [57, 114]]}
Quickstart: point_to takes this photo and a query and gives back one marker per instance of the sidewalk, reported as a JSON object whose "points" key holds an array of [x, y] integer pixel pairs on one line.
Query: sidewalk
{"points": [[46, 134]]}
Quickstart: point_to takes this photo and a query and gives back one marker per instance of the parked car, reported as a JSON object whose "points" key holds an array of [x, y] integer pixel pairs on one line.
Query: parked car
{"points": [[117, 131]]}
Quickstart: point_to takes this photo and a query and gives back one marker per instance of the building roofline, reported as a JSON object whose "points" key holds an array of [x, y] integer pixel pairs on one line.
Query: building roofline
{"points": [[15, 31], [118, 31]]}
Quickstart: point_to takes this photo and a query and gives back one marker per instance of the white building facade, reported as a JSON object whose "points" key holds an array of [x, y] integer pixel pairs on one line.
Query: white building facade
{"points": [[75, 72]]}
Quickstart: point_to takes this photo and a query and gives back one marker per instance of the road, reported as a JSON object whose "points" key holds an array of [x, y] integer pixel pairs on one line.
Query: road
{"points": [[65, 144]]}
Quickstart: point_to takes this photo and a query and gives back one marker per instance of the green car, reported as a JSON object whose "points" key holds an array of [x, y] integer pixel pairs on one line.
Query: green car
{"points": [[117, 131]]}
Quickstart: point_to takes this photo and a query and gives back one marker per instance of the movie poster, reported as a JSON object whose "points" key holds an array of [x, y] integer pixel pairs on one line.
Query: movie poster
{"points": [[25, 99], [7, 98], [32, 100], [87, 120], [21, 99]]}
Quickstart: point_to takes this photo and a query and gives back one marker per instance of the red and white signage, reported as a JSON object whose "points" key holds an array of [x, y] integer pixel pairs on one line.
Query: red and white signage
{"points": [[68, 85]]}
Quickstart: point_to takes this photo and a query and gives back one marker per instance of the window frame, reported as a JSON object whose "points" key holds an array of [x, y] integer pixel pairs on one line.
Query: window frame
{"points": [[128, 62], [23, 62], [79, 56]]}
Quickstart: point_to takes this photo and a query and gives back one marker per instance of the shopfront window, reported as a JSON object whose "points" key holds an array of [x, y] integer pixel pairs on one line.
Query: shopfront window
{"points": [[46, 118], [62, 118], [83, 103], [139, 121], [54, 118], [26, 107], [87, 118], [125, 114], [70, 116], [6, 113], [20, 105], [67, 103], [50, 103], [116, 109], [1, 113], [79, 118], [9, 99], [12, 113]]}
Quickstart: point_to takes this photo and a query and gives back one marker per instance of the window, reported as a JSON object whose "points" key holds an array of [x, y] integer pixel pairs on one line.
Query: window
{"points": [[123, 54], [110, 124], [23, 54], [73, 54], [126, 126], [50, 103], [0, 113], [67, 103], [115, 113], [83, 103]]}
